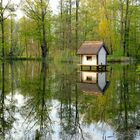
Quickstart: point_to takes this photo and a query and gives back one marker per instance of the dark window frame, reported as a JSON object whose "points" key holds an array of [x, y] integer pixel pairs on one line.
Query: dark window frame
{"points": [[89, 78], [89, 58]]}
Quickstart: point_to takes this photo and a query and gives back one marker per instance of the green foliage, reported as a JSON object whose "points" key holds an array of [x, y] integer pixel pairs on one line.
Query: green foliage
{"points": [[103, 20], [138, 69]]}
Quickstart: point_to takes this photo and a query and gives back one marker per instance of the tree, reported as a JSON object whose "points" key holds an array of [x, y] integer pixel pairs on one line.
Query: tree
{"points": [[77, 22], [3, 10], [126, 28], [29, 37], [37, 10]]}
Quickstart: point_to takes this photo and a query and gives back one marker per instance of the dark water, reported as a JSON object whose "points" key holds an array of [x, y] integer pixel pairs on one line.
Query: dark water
{"points": [[57, 102]]}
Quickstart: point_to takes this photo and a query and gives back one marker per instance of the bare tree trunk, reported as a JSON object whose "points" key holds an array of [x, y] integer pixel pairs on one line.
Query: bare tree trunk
{"points": [[122, 24], [86, 22], [2, 31], [61, 24], [127, 43], [11, 51], [77, 20], [25, 39], [44, 42], [126, 28], [70, 33]]}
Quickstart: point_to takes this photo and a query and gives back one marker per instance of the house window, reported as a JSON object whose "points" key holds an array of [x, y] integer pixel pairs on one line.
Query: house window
{"points": [[89, 58], [89, 78]]}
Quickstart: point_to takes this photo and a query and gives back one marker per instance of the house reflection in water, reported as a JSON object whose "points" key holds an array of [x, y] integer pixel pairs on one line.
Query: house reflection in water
{"points": [[93, 82]]}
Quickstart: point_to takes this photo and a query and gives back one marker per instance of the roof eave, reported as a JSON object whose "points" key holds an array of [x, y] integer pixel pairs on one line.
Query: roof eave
{"points": [[86, 54]]}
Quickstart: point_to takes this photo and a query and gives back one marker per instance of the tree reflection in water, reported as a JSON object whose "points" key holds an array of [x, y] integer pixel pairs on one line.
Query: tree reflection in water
{"points": [[37, 107], [69, 112], [7, 107], [127, 119], [43, 101]]}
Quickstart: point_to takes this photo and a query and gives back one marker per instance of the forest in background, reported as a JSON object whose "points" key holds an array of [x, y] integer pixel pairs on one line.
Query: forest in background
{"points": [[40, 32]]}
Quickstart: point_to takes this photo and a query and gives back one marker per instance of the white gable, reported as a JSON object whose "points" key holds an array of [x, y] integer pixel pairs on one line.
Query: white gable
{"points": [[102, 56]]}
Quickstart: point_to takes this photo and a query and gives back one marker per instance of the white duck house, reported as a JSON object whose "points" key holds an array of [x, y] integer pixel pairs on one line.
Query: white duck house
{"points": [[93, 53], [93, 82]]}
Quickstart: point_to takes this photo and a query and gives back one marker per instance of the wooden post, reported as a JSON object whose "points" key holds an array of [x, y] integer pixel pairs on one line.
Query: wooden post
{"points": [[97, 68], [81, 67], [105, 67], [90, 67], [102, 67]]}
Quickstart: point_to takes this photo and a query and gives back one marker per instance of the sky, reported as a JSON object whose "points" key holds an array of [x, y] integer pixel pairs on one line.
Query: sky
{"points": [[19, 13], [54, 5]]}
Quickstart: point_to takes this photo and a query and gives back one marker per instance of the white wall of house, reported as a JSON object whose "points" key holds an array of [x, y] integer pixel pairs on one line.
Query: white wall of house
{"points": [[92, 61], [89, 77], [102, 57], [102, 80]]}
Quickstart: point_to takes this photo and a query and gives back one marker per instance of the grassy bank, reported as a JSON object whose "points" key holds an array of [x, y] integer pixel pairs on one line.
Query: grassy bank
{"points": [[69, 56], [118, 56], [22, 58], [112, 58]]}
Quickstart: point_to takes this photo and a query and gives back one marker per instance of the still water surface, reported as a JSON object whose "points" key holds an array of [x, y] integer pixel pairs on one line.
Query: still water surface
{"points": [[57, 102]]}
